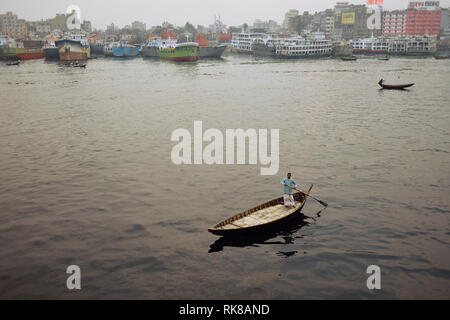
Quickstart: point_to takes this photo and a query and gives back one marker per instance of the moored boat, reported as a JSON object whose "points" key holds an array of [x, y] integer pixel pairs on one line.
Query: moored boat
{"points": [[19, 52], [71, 50], [207, 50], [384, 58], [265, 216], [441, 57], [353, 58], [211, 51], [150, 49], [51, 53], [124, 50], [173, 51]]}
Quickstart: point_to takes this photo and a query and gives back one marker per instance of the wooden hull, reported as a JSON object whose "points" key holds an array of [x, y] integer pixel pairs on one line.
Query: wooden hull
{"points": [[397, 86], [260, 227]]}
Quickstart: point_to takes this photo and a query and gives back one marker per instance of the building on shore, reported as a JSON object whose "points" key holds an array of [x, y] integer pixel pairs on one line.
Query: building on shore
{"points": [[423, 18], [394, 23]]}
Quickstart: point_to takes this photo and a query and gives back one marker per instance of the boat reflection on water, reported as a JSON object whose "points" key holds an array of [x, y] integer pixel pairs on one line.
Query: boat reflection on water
{"points": [[286, 231]]}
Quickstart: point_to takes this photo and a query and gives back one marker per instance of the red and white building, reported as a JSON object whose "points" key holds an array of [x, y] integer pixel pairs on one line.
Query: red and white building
{"points": [[423, 18]]}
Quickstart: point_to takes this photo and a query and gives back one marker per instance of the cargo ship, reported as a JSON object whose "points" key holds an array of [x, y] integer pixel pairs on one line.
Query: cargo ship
{"points": [[170, 50], [51, 51], [124, 50], [17, 53], [98, 48], [71, 50], [207, 50]]}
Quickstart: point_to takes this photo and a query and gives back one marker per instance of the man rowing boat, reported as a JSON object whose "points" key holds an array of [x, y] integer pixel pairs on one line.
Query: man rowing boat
{"points": [[287, 196]]}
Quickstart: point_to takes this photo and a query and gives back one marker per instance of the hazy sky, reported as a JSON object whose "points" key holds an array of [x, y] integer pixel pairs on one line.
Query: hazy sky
{"points": [[153, 12]]}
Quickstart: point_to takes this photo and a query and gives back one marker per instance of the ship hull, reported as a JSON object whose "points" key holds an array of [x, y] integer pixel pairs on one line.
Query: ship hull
{"points": [[309, 56], [263, 50], [125, 51], [71, 50], [211, 51], [150, 52], [98, 49], [51, 53], [182, 53], [22, 53]]}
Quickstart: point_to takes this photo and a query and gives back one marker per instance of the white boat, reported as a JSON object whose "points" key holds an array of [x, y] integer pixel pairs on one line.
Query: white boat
{"points": [[242, 42]]}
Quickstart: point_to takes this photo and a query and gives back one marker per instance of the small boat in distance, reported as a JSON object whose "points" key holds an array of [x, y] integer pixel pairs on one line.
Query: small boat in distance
{"points": [[263, 217], [394, 86], [16, 63], [441, 57], [384, 58], [352, 58]]}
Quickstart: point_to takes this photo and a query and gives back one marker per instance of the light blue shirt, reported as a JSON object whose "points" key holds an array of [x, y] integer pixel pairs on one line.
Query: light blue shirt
{"points": [[290, 182]]}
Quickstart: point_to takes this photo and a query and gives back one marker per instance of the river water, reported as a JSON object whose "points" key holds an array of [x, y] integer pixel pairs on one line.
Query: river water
{"points": [[87, 179]]}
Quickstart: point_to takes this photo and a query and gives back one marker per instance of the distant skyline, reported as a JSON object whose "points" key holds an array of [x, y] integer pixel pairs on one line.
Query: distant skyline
{"points": [[233, 12]]}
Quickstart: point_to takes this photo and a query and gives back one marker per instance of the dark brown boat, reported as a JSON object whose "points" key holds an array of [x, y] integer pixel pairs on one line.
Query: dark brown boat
{"points": [[263, 217], [394, 86]]}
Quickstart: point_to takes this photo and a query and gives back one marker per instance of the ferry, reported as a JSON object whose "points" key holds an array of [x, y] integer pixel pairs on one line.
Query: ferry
{"points": [[370, 46], [242, 42], [409, 45], [314, 45]]}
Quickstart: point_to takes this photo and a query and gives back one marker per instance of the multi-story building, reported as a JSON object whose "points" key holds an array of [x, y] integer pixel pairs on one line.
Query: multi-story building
{"points": [[86, 26], [394, 23], [327, 25], [351, 20], [445, 24], [291, 20], [139, 26], [12, 26], [423, 18]]}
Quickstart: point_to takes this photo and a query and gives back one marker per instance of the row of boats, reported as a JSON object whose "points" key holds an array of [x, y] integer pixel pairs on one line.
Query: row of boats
{"points": [[79, 49]]}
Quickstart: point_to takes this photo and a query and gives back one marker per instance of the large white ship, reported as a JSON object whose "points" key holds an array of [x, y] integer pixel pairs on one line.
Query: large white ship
{"points": [[400, 45], [242, 42], [313, 45]]}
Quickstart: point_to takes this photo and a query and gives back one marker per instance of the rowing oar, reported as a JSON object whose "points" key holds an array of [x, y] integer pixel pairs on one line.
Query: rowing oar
{"points": [[307, 194]]}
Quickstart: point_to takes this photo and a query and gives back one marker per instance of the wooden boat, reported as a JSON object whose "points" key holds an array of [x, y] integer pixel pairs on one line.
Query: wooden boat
{"points": [[394, 86], [265, 216], [16, 63], [353, 58], [385, 58], [441, 57]]}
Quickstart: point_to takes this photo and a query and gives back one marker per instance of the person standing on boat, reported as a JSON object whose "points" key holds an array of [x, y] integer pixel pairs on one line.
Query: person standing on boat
{"points": [[287, 196]]}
